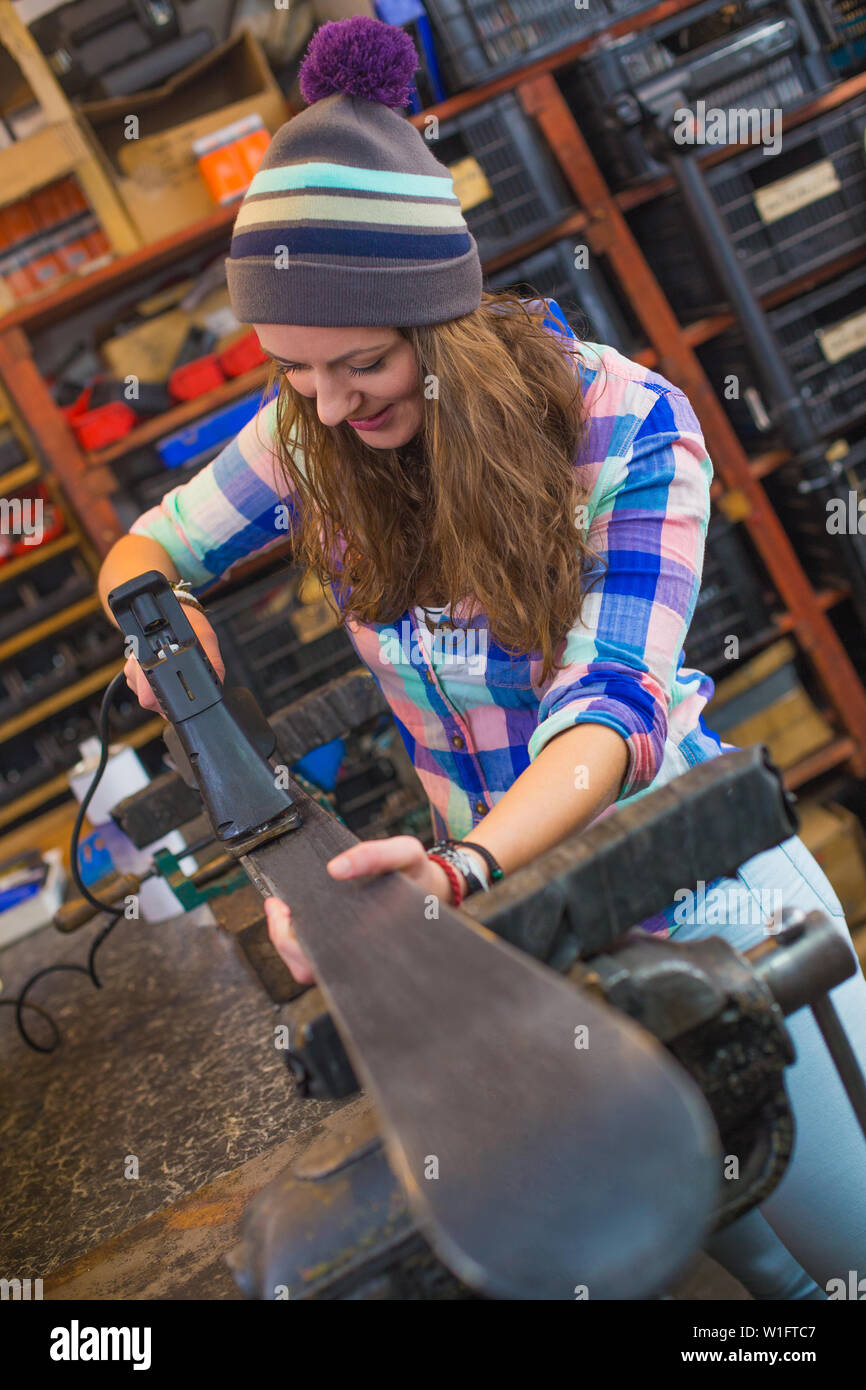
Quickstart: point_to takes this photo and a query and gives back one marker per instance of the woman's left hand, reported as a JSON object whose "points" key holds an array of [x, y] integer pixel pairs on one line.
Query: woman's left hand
{"points": [[403, 852]]}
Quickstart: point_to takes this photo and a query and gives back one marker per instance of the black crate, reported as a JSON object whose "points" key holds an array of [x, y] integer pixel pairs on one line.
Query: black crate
{"points": [[43, 590], [733, 600], [479, 39], [676, 257], [584, 295], [822, 338], [56, 662], [528, 192], [728, 363], [11, 452], [823, 507], [260, 636], [758, 59], [827, 157], [52, 746]]}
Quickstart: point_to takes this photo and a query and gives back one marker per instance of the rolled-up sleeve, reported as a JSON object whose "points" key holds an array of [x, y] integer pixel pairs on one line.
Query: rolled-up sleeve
{"points": [[235, 506], [648, 527]]}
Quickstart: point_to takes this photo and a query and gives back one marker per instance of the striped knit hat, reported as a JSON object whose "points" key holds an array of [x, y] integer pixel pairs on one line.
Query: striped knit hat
{"points": [[350, 219]]}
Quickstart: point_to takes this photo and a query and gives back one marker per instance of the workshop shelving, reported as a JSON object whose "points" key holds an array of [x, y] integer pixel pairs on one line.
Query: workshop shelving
{"points": [[787, 215], [764, 57], [61, 146], [57, 649], [575, 203]]}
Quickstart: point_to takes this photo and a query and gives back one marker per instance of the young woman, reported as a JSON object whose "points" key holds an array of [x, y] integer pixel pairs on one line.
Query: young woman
{"points": [[440, 453]]}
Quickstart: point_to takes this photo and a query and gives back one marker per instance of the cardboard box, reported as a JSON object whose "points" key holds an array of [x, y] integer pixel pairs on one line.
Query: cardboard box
{"points": [[156, 174], [149, 350], [837, 840]]}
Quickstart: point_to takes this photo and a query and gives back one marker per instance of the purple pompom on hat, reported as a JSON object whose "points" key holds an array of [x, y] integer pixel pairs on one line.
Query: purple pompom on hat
{"points": [[351, 219], [360, 57]]}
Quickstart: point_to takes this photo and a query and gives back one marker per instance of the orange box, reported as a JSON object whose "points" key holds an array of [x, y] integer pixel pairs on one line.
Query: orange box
{"points": [[229, 157]]}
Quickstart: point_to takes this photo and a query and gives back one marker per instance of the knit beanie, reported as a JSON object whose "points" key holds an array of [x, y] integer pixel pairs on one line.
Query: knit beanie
{"points": [[350, 218]]}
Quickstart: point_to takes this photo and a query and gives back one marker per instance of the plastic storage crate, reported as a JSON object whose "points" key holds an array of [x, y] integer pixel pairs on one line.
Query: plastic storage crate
{"points": [[732, 601], [822, 337], [762, 64], [823, 509], [56, 662], [581, 294], [676, 257], [479, 39], [785, 215], [527, 193], [728, 363], [261, 631], [52, 746], [11, 452], [43, 590]]}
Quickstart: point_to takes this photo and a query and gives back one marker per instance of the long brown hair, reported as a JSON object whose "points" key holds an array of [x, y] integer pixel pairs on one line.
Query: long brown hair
{"points": [[484, 504]]}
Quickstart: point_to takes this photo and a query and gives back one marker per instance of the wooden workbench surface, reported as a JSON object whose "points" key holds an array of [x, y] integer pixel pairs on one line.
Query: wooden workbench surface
{"points": [[172, 1063]]}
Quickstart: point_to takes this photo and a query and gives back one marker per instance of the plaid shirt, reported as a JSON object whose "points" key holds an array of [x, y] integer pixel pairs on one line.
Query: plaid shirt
{"points": [[472, 717]]}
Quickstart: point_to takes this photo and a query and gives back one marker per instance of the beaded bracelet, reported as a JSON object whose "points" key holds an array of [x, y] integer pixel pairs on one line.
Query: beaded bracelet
{"points": [[495, 872]]}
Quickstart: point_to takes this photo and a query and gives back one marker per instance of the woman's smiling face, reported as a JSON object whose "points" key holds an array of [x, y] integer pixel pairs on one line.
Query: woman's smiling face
{"points": [[365, 377]]}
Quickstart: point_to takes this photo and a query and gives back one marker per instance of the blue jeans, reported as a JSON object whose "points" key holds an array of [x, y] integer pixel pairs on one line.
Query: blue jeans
{"points": [[812, 1228]]}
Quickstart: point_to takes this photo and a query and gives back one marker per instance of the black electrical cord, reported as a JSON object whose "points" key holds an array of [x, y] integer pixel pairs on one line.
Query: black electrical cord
{"points": [[115, 913]]}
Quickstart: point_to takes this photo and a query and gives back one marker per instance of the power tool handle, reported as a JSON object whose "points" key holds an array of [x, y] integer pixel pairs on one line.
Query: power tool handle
{"points": [[164, 642]]}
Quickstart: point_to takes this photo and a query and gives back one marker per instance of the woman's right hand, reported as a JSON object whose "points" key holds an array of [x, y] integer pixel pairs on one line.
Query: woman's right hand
{"points": [[137, 680]]}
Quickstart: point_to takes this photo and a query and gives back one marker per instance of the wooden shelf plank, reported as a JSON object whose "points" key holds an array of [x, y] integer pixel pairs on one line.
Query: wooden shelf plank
{"points": [[53, 439], [37, 796], [827, 599], [760, 465], [37, 556], [763, 464], [703, 330], [574, 222], [824, 760], [40, 158], [145, 733]]}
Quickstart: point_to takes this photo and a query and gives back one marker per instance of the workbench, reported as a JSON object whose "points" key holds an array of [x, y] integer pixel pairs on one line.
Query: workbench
{"points": [[172, 1061]]}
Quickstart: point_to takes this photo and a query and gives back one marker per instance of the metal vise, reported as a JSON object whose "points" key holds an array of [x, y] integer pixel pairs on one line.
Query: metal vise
{"points": [[335, 1225]]}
